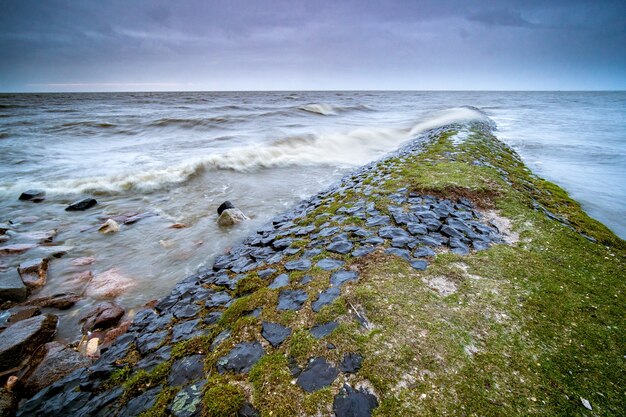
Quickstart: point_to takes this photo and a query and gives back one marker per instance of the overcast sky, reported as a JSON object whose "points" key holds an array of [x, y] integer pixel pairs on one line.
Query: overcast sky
{"points": [[82, 45]]}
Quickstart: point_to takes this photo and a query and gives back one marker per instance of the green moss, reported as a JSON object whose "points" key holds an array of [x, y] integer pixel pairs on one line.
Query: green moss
{"points": [[159, 409], [301, 345], [273, 392], [249, 284], [223, 400]]}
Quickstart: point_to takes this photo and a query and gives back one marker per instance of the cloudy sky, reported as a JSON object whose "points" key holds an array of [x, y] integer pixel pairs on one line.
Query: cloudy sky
{"points": [[83, 45]]}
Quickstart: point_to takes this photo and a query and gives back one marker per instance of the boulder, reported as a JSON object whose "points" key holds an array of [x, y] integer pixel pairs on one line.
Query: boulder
{"points": [[224, 206], [24, 337], [230, 217], [82, 205], [56, 361], [61, 301], [108, 284], [110, 226], [11, 287], [34, 272], [18, 313], [102, 316], [33, 195]]}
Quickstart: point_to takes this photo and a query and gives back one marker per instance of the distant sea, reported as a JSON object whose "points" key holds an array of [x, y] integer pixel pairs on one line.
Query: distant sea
{"points": [[180, 155]]}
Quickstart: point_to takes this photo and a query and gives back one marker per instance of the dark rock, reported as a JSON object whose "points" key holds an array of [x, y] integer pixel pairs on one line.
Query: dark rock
{"points": [[291, 251], [280, 281], [150, 341], [187, 369], [213, 317], [341, 247], [275, 333], [18, 313], [312, 252], [363, 250], [323, 330], [298, 265], [403, 253], [241, 358], [417, 229], [186, 330], [218, 299], [60, 301], [351, 363], [141, 403], [325, 297], [33, 195], [305, 280], [266, 273], [430, 241], [292, 364], [480, 245], [451, 232], [291, 299], [402, 242], [22, 338], [8, 403], [102, 316], [318, 374], [390, 232], [186, 309], [224, 206], [274, 259], [420, 265], [11, 287], [247, 410], [16, 249], [282, 243], [34, 272], [328, 231], [150, 361], [423, 251], [340, 277], [328, 264], [58, 361], [81, 205], [223, 335], [374, 240], [188, 401], [354, 403]]}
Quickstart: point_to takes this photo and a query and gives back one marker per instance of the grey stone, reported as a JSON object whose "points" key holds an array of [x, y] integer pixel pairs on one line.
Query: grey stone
{"points": [[363, 250], [340, 277], [305, 280], [298, 265], [279, 282], [241, 358], [403, 253], [218, 299], [391, 232], [151, 360], [275, 333], [11, 286], [351, 363], [188, 401], [291, 299], [329, 264], [141, 403], [381, 220], [328, 231], [186, 330], [266, 273], [420, 265], [417, 228], [323, 330], [423, 251], [187, 369], [150, 341], [354, 403], [325, 297], [282, 243], [81, 205], [224, 334], [341, 247], [318, 374], [32, 195], [374, 240], [24, 337]]}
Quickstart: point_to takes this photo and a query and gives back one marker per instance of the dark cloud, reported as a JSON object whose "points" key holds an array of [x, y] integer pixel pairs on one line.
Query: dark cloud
{"points": [[250, 44]]}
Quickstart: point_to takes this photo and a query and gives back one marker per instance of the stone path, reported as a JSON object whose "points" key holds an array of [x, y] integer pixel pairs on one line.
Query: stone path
{"points": [[284, 256]]}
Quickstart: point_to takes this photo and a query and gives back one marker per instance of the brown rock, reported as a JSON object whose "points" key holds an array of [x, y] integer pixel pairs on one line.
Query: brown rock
{"points": [[115, 332], [16, 249], [24, 337], [102, 316], [34, 272], [178, 226], [19, 313], [108, 284], [56, 361], [61, 301], [87, 260], [8, 403], [110, 226], [231, 217]]}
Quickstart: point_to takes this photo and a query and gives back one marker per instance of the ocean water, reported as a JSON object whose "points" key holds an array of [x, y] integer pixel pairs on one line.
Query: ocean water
{"points": [[180, 155]]}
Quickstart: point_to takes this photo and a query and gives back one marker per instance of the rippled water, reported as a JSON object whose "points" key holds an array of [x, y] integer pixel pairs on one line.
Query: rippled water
{"points": [[180, 155]]}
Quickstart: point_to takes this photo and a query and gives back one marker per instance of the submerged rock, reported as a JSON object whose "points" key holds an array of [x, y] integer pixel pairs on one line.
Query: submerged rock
{"points": [[108, 284], [82, 205], [18, 313], [24, 337], [34, 272], [102, 316], [33, 195], [16, 249]]}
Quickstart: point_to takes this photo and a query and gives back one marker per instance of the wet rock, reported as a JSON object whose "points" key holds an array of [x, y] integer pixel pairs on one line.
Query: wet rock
{"points": [[325, 297], [362, 251], [188, 401], [37, 236], [275, 333], [11, 287], [226, 205], [33, 195], [241, 358], [102, 316], [16, 249], [8, 403], [61, 301], [150, 341], [5, 228], [231, 217], [323, 330], [279, 282], [298, 265], [247, 410], [329, 264], [291, 299], [354, 403], [187, 369], [318, 374], [34, 272], [141, 403], [82, 205], [22, 338], [15, 314], [110, 226], [351, 363], [58, 361], [186, 330], [150, 361], [340, 277], [341, 247], [108, 284]]}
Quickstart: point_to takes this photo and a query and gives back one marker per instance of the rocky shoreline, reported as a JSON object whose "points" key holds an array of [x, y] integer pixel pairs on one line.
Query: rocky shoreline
{"points": [[267, 306]]}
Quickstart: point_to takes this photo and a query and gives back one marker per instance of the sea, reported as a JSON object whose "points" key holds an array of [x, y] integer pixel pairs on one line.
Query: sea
{"points": [[178, 155]]}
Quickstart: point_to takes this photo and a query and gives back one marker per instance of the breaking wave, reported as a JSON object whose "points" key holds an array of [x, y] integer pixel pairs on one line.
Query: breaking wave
{"points": [[330, 110]]}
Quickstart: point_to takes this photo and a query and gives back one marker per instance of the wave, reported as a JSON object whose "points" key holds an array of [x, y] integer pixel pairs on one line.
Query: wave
{"points": [[192, 123], [330, 110], [100, 125], [344, 149]]}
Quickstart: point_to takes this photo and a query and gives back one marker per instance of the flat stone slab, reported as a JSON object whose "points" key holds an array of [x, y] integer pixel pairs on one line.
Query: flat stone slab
{"points": [[298, 265], [218, 299], [150, 341], [323, 330], [340, 277], [187, 369], [279, 282], [363, 250], [141, 403], [188, 401], [325, 297], [291, 300], [186, 330], [318, 374], [24, 337], [354, 403], [351, 363], [341, 247], [419, 264], [329, 264], [11, 286], [275, 333], [241, 358], [423, 251]]}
